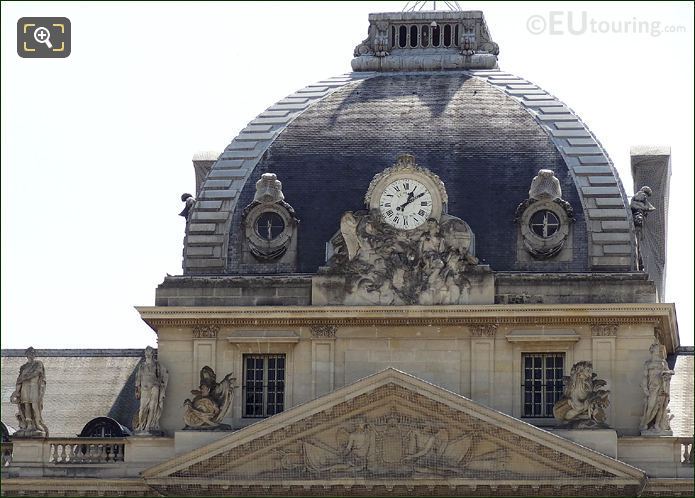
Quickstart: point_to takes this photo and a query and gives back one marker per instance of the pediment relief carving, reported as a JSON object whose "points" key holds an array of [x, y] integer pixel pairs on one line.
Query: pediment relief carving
{"points": [[392, 431]]}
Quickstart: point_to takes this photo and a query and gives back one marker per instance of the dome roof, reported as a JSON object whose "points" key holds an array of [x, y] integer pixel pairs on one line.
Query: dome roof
{"points": [[485, 133]]}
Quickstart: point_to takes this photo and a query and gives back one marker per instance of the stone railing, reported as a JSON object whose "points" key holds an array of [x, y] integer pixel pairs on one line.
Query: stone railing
{"points": [[6, 454], [686, 450], [84, 451]]}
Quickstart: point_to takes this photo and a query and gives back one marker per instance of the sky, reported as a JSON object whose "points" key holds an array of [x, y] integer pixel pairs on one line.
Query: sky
{"points": [[97, 147]]}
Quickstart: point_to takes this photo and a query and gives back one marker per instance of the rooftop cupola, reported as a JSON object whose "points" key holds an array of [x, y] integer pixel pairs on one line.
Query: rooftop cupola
{"points": [[416, 40]]}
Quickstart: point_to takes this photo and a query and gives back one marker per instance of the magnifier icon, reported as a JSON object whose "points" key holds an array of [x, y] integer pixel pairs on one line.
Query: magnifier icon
{"points": [[42, 35]]}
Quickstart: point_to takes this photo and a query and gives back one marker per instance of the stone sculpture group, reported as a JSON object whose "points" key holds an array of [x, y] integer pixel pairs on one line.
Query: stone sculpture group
{"points": [[211, 402], [383, 265], [582, 405], [584, 400]]}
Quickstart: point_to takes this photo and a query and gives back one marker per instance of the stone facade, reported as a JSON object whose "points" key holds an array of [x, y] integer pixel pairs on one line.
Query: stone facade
{"points": [[478, 323]]}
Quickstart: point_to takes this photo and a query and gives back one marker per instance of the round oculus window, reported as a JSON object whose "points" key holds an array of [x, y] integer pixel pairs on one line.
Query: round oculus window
{"points": [[544, 223], [269, 225]]}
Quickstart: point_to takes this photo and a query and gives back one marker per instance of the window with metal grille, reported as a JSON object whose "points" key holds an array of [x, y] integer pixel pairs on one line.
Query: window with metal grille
{"points": [[542, 383], [264, 385]]}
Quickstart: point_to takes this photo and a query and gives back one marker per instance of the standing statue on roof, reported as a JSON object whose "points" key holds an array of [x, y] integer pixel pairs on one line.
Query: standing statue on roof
{"points": [[28, 396], [656, 383], [150, 385], [640, 207], [190, 201]]}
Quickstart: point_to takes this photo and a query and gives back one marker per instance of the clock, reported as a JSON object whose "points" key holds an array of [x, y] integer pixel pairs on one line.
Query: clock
{"points": [[405, 203], [407, 195]]}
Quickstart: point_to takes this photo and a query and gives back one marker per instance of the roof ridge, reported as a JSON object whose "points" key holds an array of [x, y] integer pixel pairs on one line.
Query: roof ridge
{"points": [[98, 352]]}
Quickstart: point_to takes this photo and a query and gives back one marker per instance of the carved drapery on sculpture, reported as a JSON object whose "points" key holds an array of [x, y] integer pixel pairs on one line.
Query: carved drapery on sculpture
{"points": [[151, 381], [640, 207], [656, 385], [403, 249], [30, 388], [583, 401], [544, 218], [211, 402], [270, 224]]}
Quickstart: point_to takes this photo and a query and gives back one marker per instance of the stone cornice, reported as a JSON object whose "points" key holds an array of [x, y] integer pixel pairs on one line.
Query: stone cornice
{"points": [[661, 315]]}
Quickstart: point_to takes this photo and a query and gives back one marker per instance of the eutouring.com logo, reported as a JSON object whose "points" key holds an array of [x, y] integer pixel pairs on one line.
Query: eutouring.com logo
{"points": [[561, 22]]}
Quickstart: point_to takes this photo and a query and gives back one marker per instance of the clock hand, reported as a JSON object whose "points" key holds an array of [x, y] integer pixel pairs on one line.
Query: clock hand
{"points": [[411, 200]]}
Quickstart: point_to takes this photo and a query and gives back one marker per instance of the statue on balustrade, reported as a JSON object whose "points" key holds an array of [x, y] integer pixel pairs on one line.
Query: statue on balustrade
{"points": [[656, 384], [28, 396], [584, 400], [150, 386], [211, 402]]}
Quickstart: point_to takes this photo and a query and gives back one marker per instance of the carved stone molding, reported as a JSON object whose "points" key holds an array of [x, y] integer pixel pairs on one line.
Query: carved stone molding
{"points": [[205, 331], [659, 334], [324, 331], [484, 330], [604, 330]]}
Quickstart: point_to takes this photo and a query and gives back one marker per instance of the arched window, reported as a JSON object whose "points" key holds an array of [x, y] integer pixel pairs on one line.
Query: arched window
{"points": [[435, 36], [447, 35], [402, 35], [104, 427], [425, 36], [413, 36]]}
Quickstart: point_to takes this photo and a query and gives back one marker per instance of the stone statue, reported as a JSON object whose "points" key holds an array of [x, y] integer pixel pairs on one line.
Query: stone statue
{"points": [[28, 396], [383, 265], [150, 386], [190, 201], [348, 229], [656, 384], [211, 402], [640, 207], [584, 401]]}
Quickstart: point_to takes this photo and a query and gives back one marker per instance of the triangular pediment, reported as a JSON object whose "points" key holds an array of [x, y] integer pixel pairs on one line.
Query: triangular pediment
{"points": [[391, 431]]}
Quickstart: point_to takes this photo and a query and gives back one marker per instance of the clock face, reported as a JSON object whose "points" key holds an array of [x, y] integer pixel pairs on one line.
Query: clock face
{"points": [[405, 204]]}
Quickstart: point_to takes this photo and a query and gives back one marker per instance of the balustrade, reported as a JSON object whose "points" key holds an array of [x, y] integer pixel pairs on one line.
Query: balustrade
{"points": [[76, 451]]}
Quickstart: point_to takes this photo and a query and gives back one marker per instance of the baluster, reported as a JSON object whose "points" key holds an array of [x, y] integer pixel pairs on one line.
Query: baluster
{"points": [[61, 453], [52, 453], [687, 452]]}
